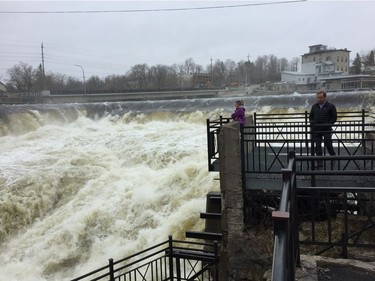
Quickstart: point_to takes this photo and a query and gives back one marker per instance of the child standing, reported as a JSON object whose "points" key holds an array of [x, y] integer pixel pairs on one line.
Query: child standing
{"points": [[239, 113]]}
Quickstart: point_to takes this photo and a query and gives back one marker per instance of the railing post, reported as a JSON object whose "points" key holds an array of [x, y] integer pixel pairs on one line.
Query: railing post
{"points": [[170, 257], [242, 147], [216, 251], [208, 144], [111, 270], [363, 132], [306, 132], [312, 132], [178, 269]]}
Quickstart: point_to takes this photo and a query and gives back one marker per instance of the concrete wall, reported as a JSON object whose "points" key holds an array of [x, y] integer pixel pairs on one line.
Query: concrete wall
{"points": [[240, 252], [232, 202]]}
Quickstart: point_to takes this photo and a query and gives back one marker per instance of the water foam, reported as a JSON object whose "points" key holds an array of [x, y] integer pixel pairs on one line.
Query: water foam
{"points": [[75, 194]]}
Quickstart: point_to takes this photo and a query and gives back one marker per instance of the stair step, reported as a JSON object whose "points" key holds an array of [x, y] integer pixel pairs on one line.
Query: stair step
{"points": [[204, 235], [195, 255], [215, 198], [210, 216]]}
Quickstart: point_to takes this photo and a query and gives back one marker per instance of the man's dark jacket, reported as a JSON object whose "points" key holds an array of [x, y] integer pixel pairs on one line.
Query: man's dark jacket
{"points": [[325, 115]]}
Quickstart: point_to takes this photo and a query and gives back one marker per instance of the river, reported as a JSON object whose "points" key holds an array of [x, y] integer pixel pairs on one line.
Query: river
{"points": [[82, 183]]}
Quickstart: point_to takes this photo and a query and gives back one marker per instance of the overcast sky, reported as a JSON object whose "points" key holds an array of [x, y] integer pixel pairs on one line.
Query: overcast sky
{"points": [[126, 33]]}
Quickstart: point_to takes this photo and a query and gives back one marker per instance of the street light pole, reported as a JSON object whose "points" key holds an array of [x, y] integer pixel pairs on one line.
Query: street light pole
{"points": [[84, 80]]}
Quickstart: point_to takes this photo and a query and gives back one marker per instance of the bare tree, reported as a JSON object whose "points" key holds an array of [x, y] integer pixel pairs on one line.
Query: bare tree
{"points": [[94, 84], [230, 71], [273, 71], [218, 73], [158, 76], [22, 77], [260, 69], [188, 67], [283, 64], [294, 64], [138, 76]]}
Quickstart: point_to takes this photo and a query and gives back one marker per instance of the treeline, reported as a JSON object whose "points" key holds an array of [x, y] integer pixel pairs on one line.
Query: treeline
{"points": [[142, 77]]}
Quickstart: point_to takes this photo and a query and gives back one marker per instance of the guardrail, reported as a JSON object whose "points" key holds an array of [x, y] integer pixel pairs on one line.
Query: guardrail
{"points": [[267, 143], [282, 133], [169, 260], [321, 218], [286, 249], [213, 130]]}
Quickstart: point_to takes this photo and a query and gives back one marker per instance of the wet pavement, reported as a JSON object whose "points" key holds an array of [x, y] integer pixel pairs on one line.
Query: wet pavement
{"points": [[344, 273]]}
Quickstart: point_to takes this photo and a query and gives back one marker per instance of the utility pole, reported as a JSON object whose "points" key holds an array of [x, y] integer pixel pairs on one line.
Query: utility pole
{"points": [[212, 77], [43, 71], [247, 69]]}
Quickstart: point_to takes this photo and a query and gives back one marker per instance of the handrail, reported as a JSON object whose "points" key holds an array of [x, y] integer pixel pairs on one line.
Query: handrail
{"points": [[286, 228], [213, 130], [279, 124], [286, 252], [165, 259]]}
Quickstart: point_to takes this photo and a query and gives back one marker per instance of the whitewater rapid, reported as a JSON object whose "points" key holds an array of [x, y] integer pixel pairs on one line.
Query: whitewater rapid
{"points": [[78, 193], [82, 183]]}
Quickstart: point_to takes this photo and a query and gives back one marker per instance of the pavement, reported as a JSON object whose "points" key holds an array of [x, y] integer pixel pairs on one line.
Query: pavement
{"points": [[344, 273], [318, 268]]}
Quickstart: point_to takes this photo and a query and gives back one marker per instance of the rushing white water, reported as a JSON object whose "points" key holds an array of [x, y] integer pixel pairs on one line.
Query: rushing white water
{"points": [[75, 194], [83, 183]]}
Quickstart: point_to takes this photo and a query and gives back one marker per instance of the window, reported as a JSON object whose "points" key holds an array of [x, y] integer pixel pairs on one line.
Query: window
{"points": [[338, 59]]}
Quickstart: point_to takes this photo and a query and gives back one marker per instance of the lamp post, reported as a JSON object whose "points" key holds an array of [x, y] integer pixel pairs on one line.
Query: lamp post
{"points": [[83, 74]]}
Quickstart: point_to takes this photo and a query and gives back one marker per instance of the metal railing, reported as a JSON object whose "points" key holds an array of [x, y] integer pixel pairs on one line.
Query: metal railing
{"points": [[282, 133], [267, 143], [344, 214], [320, 219], [213, 130], [169, 260], [286, 248]]}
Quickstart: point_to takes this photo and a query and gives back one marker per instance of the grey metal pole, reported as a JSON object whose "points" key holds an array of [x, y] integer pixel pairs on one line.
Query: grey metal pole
{"points": [[84, 80]]}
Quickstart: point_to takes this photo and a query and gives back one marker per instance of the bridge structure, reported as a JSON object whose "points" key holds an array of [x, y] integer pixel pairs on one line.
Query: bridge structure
{"points": [[268, 173], [326, 208]]}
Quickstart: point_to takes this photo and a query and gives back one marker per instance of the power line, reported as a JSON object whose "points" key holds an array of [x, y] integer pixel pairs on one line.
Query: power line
{"points": [[151, 10]]}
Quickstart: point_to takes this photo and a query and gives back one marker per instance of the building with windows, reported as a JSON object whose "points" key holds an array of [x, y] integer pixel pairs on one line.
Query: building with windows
{"points": [[325, 62], [322, 68]]}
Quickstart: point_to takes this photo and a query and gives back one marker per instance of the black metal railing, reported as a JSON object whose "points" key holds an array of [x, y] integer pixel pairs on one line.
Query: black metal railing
{"points": [[340, 216], [266, 145], [213, 130], [269, 138], [316, 219], [169, 260], [286, 248]]}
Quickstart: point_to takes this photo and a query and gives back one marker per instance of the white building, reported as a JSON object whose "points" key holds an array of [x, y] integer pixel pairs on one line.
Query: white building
{"points": [[319, 63]]}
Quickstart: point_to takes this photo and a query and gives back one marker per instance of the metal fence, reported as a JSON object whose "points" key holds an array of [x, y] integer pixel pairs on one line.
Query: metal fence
{"points": [[169, 260], [317, 219], [267, 143], [213, 130]]}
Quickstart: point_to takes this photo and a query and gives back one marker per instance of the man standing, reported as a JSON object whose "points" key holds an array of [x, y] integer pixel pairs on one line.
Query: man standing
{"points": [[323, 115]]}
